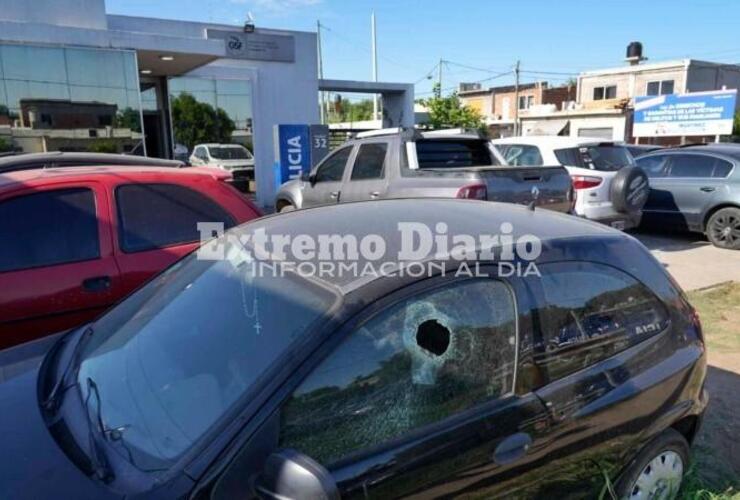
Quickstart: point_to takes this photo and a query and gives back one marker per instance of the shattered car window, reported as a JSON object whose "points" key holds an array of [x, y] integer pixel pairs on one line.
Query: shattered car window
{"points": [[591, 312], [413, 364]]}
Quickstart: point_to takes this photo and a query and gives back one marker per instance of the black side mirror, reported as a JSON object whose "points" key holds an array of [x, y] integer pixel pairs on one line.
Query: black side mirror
{"points": [[312, 178], [290, 474]]}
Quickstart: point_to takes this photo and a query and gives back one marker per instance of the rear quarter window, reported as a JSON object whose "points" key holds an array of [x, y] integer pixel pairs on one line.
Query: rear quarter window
{"points": [[589, 312]]}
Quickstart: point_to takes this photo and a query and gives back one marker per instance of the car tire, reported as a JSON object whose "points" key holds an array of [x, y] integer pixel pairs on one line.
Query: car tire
{"points": [[660, 466], [629, 190], [723, 228], [285, 208]]}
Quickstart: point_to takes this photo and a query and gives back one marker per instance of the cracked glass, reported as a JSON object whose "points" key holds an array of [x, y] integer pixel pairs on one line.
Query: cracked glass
{"points": [[413, 364]]}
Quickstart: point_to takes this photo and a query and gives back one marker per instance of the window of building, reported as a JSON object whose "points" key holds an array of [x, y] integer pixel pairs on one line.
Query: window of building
{"points": [[158, 215], [370, 161], [662, 87], [48, 228], [526, 101], [68, 89], [229, 101], [332, 169], [414, 364], [590, 312], [606, 92]]}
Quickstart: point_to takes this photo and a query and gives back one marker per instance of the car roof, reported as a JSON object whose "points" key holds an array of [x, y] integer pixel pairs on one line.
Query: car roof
{"points": [[11, 162], [553, 141], [469, 217], [12, 179], [725, 149]]}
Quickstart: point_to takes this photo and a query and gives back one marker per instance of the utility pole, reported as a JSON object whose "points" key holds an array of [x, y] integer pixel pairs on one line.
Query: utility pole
{"points": [[516, 100], [439, 76], [375, 62], [321, 71]]}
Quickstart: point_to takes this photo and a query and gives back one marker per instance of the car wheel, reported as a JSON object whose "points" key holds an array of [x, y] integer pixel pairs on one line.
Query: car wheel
{"points": [[723, 228], [657, 471], [285, 208], [629, 190]]}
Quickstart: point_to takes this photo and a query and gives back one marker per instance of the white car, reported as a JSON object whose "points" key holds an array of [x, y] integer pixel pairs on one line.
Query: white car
{"points": [[233, 158], [609, 187]]}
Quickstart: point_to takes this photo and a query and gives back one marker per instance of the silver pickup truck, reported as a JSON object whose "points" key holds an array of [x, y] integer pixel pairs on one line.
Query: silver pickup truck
{"points": [[396, 163]]}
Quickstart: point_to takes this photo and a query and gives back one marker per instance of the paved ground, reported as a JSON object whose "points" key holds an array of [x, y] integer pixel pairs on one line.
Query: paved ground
{"points": [[691, 259]]}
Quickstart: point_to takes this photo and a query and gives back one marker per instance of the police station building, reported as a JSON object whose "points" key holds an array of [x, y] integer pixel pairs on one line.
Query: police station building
{"points": [[73, 78]]}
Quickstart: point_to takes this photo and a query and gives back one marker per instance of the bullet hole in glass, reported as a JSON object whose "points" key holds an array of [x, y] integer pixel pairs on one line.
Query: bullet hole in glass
{"points": [[433, 337]]}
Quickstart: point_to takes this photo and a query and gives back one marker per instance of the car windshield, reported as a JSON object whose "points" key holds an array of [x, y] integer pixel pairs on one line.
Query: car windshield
{"points": [[230, 153], [604, 157], [203, 331]]}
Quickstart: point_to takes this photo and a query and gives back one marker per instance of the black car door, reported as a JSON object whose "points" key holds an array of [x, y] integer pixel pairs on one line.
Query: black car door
{"points": [[421, 396], [598, 330]]}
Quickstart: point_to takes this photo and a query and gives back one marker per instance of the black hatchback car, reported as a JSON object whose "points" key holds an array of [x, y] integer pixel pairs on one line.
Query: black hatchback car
{"points": [[220, 381]]}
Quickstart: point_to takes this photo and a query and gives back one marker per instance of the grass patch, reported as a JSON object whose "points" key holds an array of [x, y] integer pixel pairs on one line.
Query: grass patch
{"points": [[719, 310], [710, 476]]}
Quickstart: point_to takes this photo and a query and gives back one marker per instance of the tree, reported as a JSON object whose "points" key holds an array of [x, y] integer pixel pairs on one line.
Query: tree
{"points": [[129, 118], [5, 145], [198, 122], [347, 111], [736, 124], [103, 146], [449, 112]]}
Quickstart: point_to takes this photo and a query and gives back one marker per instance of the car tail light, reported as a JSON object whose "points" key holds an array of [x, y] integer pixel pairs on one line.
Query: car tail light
{"points": [[473, 192], [586, 182]]}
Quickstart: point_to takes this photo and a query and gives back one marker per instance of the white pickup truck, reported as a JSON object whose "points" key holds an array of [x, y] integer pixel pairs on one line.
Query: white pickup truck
{"points": [[407, 163]]}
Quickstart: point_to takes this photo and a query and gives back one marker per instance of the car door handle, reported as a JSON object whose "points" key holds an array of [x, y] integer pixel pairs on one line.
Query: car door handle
{"points": [[512, 448], [97, 284], [334, 195], [707, 189], [374, 194]]}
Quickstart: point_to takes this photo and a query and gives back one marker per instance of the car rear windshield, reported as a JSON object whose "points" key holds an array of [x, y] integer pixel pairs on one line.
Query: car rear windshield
{"points": [[453, 153], [604, 157], [230, 153]]}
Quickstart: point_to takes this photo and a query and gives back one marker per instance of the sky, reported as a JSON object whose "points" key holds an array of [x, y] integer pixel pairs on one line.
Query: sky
{"points": [[481, 39]]}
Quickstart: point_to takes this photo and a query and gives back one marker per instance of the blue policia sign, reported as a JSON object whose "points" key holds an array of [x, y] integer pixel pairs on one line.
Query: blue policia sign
{"points": [[292, 151]]}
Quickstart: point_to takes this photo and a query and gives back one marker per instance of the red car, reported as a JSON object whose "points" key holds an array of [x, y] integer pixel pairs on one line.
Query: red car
{"points": [[74, 240]]}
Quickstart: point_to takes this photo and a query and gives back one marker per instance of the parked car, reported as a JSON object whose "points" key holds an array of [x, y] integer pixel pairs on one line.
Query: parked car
{"points": [[609, 188], [641, 149], [696, 188], [77, 239], [219, 380], [395, 163], [233, 158]]}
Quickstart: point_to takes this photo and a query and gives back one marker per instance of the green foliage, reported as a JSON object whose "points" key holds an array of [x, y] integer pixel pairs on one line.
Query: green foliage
{"points": [[736, 124], [129, 118], [103, 146], [198, 122], [449, 112], [5, 145], [343, 110]]}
